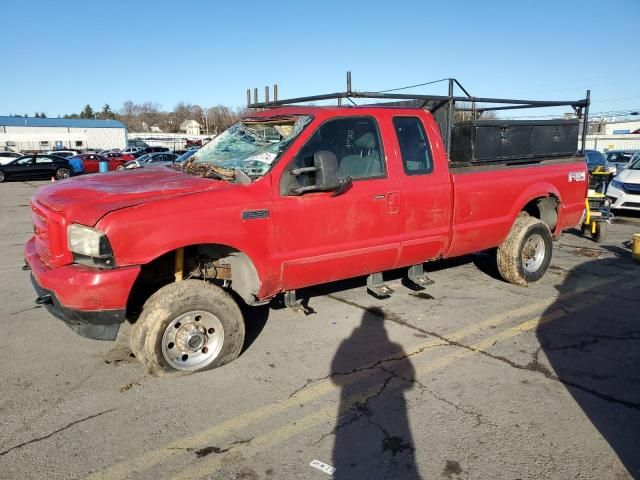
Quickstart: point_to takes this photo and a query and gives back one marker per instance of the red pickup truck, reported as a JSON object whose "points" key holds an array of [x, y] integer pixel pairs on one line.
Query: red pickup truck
{"points": [[286, 198]]}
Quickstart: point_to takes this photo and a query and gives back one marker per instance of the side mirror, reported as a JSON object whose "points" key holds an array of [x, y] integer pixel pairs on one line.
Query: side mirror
{"points": [[325, 168]]}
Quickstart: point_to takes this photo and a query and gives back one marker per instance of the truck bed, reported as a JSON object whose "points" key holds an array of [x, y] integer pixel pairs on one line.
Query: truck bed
{"points": [[483, 213]]}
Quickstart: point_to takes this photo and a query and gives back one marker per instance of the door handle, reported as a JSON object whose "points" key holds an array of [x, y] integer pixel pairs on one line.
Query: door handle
{"points": [[393, 202]]}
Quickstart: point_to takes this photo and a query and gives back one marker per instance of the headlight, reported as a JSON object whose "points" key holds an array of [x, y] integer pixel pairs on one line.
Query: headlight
{"points": [[616, 184], [89, 246]]}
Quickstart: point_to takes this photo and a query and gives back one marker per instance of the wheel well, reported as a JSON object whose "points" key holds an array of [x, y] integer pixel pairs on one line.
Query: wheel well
{"points": [[216, 263], [545, 209]]}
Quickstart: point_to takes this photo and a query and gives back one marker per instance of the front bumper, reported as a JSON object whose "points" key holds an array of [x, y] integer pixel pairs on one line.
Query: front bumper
{"points": [[621, 199], [96, 324], [90, 301]]}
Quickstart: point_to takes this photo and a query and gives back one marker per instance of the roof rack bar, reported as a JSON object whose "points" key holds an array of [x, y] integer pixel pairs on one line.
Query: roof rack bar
{"points": [[486, 109], [403, 96], [461, 87], [585, 122]]}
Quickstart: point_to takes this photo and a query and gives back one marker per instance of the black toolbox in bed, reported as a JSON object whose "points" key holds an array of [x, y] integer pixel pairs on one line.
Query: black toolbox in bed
{"points": [[489, 141]]}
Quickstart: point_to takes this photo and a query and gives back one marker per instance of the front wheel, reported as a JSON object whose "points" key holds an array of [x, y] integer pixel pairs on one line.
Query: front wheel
{"points": [[188, 326], [62, 173], [120, 168], [2, 177], [525, 255]]}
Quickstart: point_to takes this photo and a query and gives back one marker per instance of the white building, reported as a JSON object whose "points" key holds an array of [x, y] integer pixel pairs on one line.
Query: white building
{"points": [[39, 134], [621, 127], [190, 127]]}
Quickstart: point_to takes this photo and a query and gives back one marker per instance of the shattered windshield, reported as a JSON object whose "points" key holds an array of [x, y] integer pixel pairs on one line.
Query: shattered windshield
{"points": [[251, 145]]}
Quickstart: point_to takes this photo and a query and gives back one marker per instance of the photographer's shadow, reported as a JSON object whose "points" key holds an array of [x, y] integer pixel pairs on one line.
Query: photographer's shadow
{"points": [[373, 437]]}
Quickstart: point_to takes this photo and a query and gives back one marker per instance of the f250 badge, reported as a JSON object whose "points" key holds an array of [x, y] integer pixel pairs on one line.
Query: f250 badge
{"points": [[577, 176]]}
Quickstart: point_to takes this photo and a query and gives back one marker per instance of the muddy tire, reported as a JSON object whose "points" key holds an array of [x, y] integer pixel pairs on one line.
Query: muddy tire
{"points": [[525, 254], [188, 326], [601, 232]]}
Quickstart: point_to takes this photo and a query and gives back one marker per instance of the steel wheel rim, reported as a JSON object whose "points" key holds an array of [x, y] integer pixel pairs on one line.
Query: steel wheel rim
{"points": [[533, 253], [192, 340]]}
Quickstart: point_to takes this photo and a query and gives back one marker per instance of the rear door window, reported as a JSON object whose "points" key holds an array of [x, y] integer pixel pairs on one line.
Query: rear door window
{"points": [[414, 145]]}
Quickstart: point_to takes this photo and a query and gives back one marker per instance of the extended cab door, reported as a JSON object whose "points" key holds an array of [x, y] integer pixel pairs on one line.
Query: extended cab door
{"points": [[322, 238], [426, 200]]}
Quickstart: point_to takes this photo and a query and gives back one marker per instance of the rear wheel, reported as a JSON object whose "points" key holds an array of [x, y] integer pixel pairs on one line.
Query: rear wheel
{"points": [[62, 173], [120, 168], [2, 177], [600, 233], [188, 326], [525, 255]]}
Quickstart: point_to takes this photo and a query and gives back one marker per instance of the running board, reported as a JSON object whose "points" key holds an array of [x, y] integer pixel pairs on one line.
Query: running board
{"points": [[294, 304], [418, 277], [377, 287]]}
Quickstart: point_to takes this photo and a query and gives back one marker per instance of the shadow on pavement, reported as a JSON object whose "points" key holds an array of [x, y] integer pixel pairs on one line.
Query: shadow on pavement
{"points": [[595, 351], [372, 434]]}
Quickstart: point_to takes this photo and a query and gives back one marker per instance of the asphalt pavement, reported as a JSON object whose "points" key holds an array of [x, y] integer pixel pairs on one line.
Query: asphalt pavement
{"points": [[470, 378]]}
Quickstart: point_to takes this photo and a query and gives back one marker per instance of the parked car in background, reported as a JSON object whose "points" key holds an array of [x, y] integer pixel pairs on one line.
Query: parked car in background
{"points": [[6, 157], [108, 150], [151, 159], [594, 159], [155, 149], [62, 153], [76, 164], [120, 156], [132, 150], [36, 167], [185, 155], [617, 159], [624, 189], [92, 161]]}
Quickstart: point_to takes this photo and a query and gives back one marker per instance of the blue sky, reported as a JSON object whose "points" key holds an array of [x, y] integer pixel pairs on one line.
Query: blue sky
{"points": [[58, 56]]}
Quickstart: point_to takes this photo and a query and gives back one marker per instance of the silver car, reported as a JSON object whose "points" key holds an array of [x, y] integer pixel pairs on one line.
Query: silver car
{"points": [[151, 159]]}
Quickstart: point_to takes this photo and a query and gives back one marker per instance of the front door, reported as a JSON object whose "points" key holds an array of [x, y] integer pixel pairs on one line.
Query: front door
{"points": [[323, 238]]}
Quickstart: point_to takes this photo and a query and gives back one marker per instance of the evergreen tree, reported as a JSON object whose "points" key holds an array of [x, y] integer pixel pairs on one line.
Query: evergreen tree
{"points": [[87, 112], [107, 112]]}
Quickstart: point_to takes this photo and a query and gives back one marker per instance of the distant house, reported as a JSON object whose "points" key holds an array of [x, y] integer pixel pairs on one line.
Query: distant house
{"points": [[190, 127]]}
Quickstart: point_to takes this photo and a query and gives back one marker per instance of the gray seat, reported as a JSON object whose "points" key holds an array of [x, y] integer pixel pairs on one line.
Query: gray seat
{"points": [[366, 163]]}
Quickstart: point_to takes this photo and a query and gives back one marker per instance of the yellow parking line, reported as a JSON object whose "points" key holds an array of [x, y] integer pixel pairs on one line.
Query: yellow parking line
{"points": [[260, 443], [226, 428]]}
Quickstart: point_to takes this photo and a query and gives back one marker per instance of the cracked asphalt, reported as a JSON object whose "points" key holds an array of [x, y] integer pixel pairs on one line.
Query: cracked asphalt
{"points": [[470, 378]]}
